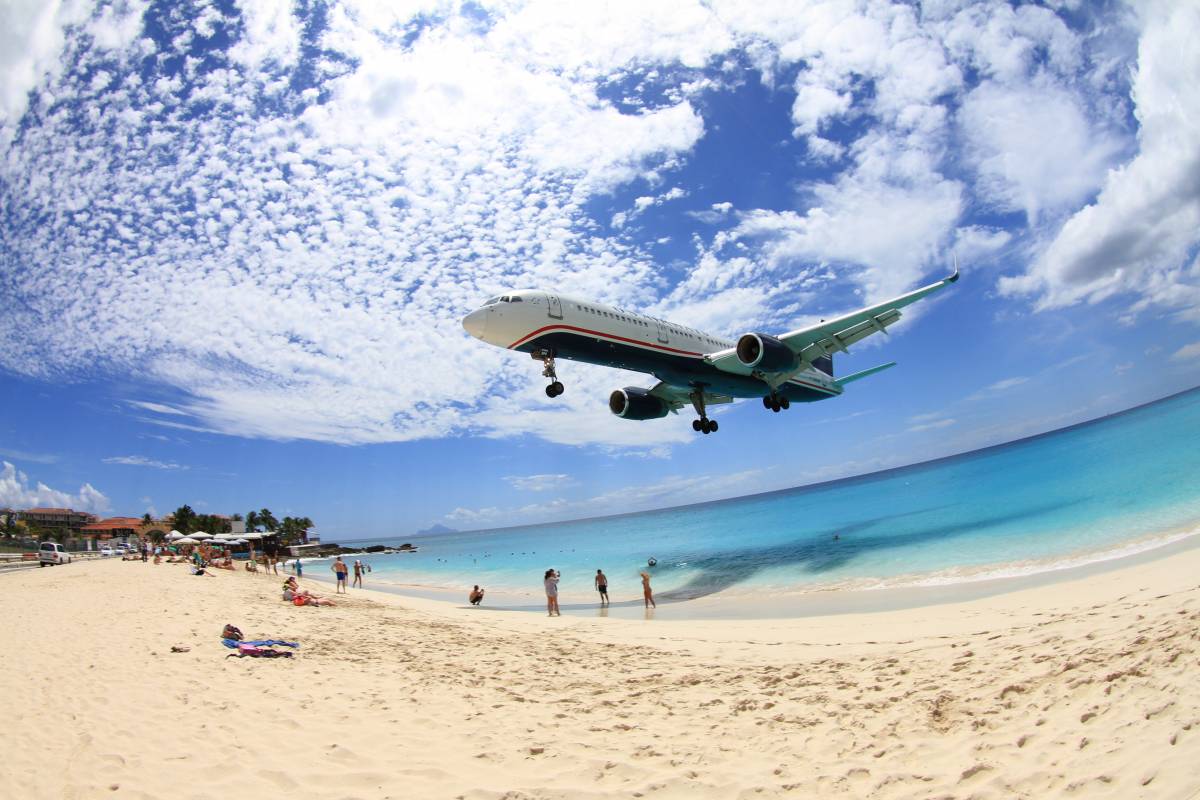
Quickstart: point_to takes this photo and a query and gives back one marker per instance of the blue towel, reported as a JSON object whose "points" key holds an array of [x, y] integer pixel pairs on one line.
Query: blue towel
{"points": [[233, 643]]}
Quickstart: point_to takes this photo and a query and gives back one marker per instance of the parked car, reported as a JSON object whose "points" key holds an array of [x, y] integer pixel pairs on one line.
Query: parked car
{"points": [[105, 552], [52, 553]]}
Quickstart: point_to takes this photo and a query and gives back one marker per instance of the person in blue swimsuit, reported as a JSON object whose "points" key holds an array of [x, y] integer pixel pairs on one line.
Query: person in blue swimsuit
{"points": [[339, 569]]}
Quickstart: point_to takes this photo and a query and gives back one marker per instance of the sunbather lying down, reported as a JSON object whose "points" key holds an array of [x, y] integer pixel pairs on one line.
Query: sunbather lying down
{"points": [[292, 593]]}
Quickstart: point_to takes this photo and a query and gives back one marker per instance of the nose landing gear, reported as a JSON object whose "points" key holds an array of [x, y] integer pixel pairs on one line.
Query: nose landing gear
{"points": [[704, 424], [776, 402], [547, 358]]}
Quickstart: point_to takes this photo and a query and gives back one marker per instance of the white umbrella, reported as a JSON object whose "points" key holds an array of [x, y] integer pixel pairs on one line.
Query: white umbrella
{"points": [[201, 535], [252, 535], [186, 540], [174, 535]]}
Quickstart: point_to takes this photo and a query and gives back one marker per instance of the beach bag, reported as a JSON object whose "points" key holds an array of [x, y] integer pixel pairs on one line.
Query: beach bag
{"points": [[299, 600]]}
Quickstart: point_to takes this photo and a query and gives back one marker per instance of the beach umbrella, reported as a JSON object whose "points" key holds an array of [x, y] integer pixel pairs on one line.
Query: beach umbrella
{"points": [[252, 535], [186, 540], [174, 535], [200, 535]]}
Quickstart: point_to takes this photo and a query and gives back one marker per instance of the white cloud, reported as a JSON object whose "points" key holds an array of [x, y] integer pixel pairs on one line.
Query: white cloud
{"points": [[931, 426], [671, 491], [15, 492], [286, 257], [1138, 234], [1188, 352], [1020, 166], [538, 483], [142, 461]]}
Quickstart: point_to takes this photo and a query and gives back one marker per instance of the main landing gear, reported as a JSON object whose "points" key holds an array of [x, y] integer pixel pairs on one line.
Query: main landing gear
{"points": [[704, 424], [776, 402], [547, 358]]}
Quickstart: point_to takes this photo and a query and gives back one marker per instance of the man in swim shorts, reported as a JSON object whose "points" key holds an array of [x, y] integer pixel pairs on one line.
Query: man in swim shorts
{"points": [[339, 569], [602, 586]]}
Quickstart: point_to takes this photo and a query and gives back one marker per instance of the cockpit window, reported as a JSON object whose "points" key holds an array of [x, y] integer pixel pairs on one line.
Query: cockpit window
{"points": [[492, 301], [516, 298]]}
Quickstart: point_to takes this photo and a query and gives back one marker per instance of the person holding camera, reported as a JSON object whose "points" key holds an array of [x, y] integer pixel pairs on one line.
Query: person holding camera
{"points": [[550, 580]]}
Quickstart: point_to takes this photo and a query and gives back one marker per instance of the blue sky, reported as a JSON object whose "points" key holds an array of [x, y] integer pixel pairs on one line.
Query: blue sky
{"points": [[238, 239]]}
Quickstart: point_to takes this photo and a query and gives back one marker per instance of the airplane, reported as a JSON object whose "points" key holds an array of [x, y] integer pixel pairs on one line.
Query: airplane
{"points": [[691, 366]]}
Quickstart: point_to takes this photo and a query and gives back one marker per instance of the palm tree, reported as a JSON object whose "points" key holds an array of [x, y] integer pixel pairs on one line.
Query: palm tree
{"points": [[267, 519], [185, 519], [147, 520], [252, 521]]}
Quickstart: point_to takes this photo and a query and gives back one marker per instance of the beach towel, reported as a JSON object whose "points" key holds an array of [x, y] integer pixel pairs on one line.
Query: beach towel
{"points": [[234, 643]]}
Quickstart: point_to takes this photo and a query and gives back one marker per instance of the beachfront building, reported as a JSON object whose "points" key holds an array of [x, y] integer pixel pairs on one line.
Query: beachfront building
{"points": [[62, 520], [121, 529]]}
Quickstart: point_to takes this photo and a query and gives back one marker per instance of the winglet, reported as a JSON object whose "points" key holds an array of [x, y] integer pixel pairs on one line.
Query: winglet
{"points": [[954, 277]]}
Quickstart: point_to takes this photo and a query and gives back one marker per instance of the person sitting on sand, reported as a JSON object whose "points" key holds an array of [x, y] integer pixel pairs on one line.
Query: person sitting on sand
{"points": [[647, 595], [476, 596]]}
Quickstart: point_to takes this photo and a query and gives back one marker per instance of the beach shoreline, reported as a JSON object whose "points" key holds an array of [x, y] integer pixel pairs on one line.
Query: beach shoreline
{"points": [[1079, 687], [785, 603]]}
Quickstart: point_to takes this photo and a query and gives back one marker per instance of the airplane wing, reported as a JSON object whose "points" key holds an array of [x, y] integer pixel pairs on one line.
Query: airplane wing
{"points": [[831, 336], [676, 397]]}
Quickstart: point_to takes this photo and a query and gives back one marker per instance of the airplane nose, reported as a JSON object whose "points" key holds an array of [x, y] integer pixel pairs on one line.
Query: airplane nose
{"points": [[475, 323]]}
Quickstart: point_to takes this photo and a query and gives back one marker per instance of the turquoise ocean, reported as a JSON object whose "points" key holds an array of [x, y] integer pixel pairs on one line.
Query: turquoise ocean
{"points": [[1097, 491]]}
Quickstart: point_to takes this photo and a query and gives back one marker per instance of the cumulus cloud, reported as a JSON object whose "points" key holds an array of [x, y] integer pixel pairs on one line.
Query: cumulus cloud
{"points": [[1140, 232], [16, 492], [282, 232]]}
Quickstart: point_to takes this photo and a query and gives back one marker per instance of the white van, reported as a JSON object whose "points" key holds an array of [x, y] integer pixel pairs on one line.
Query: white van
{"points": [[52, 553]]}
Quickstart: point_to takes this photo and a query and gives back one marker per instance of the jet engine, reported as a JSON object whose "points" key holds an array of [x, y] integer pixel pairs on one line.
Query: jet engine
{"points": [[765, 353], [634, 403]]}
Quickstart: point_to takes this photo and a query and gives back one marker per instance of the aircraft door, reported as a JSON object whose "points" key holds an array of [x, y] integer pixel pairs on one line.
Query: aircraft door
{"points": [[662, 331], [554, 306]]}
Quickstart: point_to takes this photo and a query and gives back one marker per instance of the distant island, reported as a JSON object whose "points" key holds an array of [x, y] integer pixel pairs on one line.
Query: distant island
{"points": [[435, 530]]}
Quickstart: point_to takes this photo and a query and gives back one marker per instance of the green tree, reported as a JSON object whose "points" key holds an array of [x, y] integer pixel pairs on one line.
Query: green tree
{"points": [[252, 521], [147, 519], [156, 536], [267, 519], [185, 519]]}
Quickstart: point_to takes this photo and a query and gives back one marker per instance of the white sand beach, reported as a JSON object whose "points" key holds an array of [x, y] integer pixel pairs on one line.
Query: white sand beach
{"points": [[1083, 688]]}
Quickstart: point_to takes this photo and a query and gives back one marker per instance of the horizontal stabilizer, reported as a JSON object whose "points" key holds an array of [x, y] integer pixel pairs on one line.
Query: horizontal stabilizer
{"points": [[864, 374]]}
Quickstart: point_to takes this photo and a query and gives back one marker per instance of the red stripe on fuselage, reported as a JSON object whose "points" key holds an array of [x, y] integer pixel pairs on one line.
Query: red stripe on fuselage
{"points": [[589, 332], [601, 334]]}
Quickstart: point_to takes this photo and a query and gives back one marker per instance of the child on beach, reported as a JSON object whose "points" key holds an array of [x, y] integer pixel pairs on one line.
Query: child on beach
{"points": [[339, 569], [476, 596], [550, 580]]}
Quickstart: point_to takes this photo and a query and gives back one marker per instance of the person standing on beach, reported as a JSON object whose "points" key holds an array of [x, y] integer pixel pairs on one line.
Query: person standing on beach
{"points": [[602, 586], [647, 595], [299, 569], [550, 581], [358, 572], [339, 569]]}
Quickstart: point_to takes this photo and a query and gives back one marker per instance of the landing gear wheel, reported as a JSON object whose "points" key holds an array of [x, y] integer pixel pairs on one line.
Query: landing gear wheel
{"points": [[775, 406], [784, 403], [706, 429], [767, 401], [712, 426], [696, 425], [547, 358]]}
